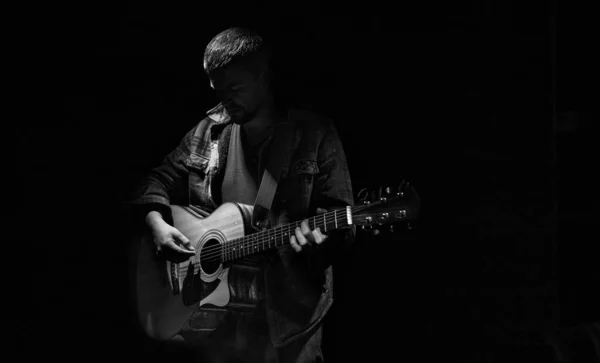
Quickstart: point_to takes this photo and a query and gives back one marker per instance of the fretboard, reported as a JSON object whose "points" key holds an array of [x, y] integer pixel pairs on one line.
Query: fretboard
{"points": [[279, 236]]}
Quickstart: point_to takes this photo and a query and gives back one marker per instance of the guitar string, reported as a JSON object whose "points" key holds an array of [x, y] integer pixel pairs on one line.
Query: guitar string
{"points": [[279, 232], [215, 253], [212, 253]]}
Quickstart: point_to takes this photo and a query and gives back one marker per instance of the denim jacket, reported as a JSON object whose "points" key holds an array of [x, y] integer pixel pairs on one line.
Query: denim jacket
{"points": [[298, 286]]}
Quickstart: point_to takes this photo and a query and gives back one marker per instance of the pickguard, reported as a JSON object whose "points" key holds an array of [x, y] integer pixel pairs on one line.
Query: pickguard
{"points": [[195, 290]]}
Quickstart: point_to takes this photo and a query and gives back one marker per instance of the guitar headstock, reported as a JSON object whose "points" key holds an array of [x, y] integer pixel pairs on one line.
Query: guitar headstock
{"points": [[386, 205]]}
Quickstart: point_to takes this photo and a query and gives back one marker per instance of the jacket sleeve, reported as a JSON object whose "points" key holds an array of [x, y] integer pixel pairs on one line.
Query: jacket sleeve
{"points": [[153, 192], [332, 189]]}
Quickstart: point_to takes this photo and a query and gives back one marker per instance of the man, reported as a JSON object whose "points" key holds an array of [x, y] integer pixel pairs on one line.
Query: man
{"points": [[221, 160]]}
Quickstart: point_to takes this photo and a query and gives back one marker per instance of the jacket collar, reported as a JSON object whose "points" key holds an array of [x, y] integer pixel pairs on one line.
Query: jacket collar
{"points": [[218, 114]]}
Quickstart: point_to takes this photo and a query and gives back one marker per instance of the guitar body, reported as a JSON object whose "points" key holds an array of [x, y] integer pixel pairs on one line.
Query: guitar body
{"points": [[167, 294]]}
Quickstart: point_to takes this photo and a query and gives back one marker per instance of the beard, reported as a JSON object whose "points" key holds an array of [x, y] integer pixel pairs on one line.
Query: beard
{"points": [[240, 115]]}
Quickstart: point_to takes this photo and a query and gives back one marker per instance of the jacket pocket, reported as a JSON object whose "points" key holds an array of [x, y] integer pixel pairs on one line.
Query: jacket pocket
{"points": [[296, 187], [197, 163], [300, 167]]}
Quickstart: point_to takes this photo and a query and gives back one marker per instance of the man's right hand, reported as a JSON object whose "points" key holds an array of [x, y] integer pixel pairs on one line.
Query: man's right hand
{"points": [[170, 242]]}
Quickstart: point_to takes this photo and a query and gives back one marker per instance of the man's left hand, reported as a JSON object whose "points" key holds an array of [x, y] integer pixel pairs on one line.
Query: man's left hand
{"points": [[304, 237]]}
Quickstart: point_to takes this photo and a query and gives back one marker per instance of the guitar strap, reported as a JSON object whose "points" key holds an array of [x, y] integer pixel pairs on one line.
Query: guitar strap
{"points": [[280, 150]]}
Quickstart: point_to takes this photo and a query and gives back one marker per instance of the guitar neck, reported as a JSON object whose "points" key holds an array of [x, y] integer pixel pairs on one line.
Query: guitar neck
{"points": [[280, 236]]}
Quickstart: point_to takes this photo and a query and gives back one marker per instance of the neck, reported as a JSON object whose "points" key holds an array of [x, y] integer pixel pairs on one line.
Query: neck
{"points": [[277, 237]]}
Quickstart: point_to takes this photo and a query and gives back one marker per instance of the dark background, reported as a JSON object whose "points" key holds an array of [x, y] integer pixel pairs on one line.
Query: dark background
{"points": [[461, 99]]}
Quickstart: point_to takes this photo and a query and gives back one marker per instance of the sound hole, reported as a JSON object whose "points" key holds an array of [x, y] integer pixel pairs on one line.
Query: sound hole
{"points": [[210, 256]]}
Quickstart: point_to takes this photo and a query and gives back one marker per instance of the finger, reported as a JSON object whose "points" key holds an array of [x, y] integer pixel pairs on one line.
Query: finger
{"points": [[306, 231], [295, 244], [157, 244], [321, 210], [172, 245], [184, 240], [319, 236], [302, 241]]}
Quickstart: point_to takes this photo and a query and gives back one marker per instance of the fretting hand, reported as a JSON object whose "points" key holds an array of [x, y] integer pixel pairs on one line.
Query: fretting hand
{"points": [[304, 237]]}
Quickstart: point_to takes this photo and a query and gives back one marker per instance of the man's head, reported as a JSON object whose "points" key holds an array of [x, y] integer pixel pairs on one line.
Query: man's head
{"points": [[237, 64]]}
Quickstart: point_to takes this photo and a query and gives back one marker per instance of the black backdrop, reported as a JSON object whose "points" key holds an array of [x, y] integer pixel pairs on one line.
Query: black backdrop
{"points": [[457, 99]]}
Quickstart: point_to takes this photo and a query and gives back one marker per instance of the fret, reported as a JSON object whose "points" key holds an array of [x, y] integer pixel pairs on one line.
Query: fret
{"points": [[266, 237], [335, 218], [272, 236], [262, 242], [324, 222]]}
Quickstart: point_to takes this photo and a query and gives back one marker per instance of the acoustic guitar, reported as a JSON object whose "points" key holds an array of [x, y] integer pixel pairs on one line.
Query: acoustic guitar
{"points": [[167, 294]]}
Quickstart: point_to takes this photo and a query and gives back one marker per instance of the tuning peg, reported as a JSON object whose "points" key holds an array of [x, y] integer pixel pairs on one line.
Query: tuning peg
{"points": [[403, 185], [401, 214], [383, 218]]}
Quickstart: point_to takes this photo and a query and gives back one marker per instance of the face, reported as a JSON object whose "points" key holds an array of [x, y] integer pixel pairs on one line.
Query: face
{"points": [[242, 92]]}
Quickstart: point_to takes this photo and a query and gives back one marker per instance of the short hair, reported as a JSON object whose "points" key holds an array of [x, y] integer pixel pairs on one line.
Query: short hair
{"points": [[234, 46]]}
